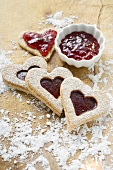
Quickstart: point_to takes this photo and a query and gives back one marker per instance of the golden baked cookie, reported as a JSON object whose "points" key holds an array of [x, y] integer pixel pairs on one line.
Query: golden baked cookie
{"points": [[46, 86], [14, 74], [39, 43], [81, 103]]}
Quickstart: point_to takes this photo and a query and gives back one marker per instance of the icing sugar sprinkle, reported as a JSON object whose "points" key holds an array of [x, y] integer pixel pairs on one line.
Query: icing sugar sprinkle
{"points": [[57, 20], [41, 158], [21, 140], [63, 145], [3, 60]]}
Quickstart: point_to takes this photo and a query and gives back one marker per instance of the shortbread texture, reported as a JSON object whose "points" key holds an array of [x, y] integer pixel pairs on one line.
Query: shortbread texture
{"points": [[9, 72], [72, 119], [23, 45], [33, 79]]}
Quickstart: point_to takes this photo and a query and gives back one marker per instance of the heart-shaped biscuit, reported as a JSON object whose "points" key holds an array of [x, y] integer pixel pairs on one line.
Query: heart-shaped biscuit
{"points": [[81, 103], [46, 86], [14, 74], [39, 43]]}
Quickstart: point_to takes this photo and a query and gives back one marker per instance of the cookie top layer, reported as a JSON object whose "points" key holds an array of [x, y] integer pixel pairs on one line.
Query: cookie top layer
{"points": [[10, 72], [101, 102], [33, 81]]}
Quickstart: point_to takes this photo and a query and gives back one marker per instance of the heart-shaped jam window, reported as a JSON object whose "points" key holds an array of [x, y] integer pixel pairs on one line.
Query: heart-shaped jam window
{"points": [[22, 73], [81, 103], [41, 42], [52, 85]]}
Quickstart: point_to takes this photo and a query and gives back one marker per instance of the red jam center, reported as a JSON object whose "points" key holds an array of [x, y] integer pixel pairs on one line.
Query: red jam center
{"points": [[82, 104], [41, 42], [52, 86], [22, 73], [79, 46]]}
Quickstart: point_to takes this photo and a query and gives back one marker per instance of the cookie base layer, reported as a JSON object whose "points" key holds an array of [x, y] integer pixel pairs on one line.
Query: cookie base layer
{"points": [[33, 92], [23, 45], [17, 87]]}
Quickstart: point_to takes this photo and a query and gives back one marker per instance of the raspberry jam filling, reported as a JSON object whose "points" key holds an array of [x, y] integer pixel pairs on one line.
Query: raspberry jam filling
{"points": [[52, 85], [81, 103], [22, 73], [41, 42], [79, 46]]}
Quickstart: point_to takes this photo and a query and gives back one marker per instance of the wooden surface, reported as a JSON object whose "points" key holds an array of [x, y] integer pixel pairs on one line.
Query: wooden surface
{"points": [[17, 16]]}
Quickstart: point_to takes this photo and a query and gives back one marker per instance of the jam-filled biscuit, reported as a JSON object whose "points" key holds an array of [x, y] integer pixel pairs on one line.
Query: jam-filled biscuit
{"points": [[81, 103], [46, 86], [40, 44], [14, 74]]}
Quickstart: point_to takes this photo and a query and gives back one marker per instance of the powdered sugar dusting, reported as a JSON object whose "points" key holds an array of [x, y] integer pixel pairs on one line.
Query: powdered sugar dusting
{"points": [[62, 144], [18, 95], [21, 140], [3, 61], [41, 159], [57, 20], [4, 128]]}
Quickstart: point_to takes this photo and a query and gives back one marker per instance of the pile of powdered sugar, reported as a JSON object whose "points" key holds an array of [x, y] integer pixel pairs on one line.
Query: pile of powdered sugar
{"points": [[57, 20], [40, 159], [24, 140]]}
